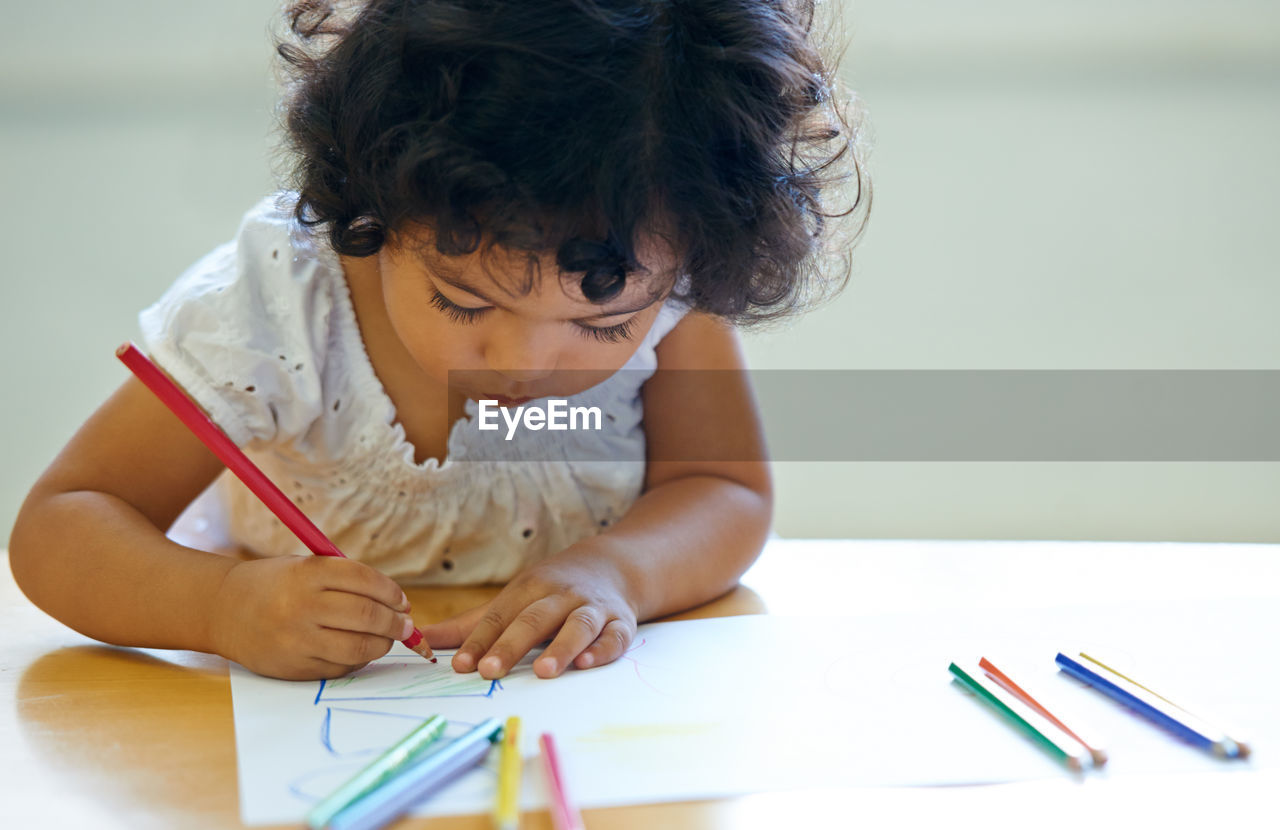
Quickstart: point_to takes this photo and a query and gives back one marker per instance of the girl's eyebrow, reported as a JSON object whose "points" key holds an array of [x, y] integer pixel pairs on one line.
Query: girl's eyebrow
{"points": [[462, 286]]}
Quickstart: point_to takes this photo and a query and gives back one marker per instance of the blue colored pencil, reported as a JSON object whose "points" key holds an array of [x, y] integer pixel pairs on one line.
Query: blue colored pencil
{"points": [[1181, 723], [397, 795], [1242, 746]]}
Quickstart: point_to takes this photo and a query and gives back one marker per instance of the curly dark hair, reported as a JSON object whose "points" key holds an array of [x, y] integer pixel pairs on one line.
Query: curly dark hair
{"points": [[572, 126]]}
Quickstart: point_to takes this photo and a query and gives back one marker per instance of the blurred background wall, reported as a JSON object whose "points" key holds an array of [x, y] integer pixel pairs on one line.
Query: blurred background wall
{"points": [[1062, 184]]}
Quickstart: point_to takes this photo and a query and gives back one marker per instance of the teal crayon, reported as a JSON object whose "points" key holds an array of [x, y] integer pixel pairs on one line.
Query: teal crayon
{"points": [[413, 783], [384, 767]]}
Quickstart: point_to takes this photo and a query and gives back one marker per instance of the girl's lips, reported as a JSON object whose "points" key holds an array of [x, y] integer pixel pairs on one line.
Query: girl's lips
{"points": [[505, 401]]}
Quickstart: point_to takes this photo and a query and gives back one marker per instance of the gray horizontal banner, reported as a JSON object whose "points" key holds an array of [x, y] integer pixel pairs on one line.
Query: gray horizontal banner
{"points": [[909, 415]]}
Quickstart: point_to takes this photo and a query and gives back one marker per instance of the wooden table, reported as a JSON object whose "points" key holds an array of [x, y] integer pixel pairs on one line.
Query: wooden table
{"points": [[104, 737]]}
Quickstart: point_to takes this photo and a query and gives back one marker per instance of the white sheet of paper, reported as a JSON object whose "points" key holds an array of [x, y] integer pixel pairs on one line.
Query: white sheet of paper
{"points": [[722, 707]]}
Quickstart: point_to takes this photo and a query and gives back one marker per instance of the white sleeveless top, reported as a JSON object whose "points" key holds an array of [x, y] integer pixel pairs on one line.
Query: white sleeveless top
{"points": [[262, 333]]}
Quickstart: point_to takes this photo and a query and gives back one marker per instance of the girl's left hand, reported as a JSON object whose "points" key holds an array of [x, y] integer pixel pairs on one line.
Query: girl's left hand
{"points": [[576, 599]]}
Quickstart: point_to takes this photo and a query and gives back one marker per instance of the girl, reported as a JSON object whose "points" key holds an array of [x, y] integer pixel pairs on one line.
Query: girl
{"points": [[502, 201]]}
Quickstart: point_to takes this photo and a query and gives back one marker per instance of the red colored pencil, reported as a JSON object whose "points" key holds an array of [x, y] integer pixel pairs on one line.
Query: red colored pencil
{"points": [[226, 450], [564, 816], [1096, 752]]}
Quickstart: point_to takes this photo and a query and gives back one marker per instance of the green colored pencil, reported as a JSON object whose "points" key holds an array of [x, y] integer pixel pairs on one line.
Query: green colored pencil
{"points": [[1040, 729], [381, 769]]}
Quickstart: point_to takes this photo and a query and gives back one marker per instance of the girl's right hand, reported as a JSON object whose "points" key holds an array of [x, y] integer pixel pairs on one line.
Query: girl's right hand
{"points": [[307, 617]]}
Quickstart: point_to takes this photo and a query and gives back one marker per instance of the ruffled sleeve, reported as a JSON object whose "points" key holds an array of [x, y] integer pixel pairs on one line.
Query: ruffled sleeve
{"points": [[243, 330]]}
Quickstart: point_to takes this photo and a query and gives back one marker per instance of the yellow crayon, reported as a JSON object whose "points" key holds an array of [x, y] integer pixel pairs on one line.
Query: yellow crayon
{"points": [[506, 811]]}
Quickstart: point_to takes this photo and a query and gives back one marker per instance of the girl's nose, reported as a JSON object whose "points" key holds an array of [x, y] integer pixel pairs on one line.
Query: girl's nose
{"points": [[522, 353]]}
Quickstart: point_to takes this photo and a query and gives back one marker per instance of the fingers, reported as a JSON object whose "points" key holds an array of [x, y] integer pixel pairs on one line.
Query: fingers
{"points": [[612, 643], [318, 668], [359, 613], [308, 617], [583, 637], [452, 632], [349, 648], [332, 573], [351, 612], [580, 630], [505, 633], [314, 668]]}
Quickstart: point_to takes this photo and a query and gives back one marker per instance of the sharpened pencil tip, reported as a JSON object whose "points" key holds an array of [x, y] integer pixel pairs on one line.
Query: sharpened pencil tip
{"points": [[1230, 748], [418, 644]]}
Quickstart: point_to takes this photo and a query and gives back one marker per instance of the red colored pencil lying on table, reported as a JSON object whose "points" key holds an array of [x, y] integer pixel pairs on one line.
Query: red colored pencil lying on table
{"points": [[237, 462]]}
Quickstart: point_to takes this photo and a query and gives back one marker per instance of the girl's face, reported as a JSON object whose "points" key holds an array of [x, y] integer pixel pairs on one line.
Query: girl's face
{"points": [[468, 316]]}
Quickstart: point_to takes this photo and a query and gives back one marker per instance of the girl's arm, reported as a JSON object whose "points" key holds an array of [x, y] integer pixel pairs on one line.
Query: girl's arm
{"points": [[89, 548], [699, 524], [687, 539]]}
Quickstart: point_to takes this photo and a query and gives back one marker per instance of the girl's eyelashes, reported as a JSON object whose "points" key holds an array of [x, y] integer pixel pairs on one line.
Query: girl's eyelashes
{"points": [[603, 334], [455, 312], [609, 334]]}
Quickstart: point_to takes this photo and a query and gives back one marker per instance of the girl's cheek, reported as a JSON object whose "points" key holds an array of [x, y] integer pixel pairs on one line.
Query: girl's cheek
{"points": [[584, 355], [451, 354]]}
